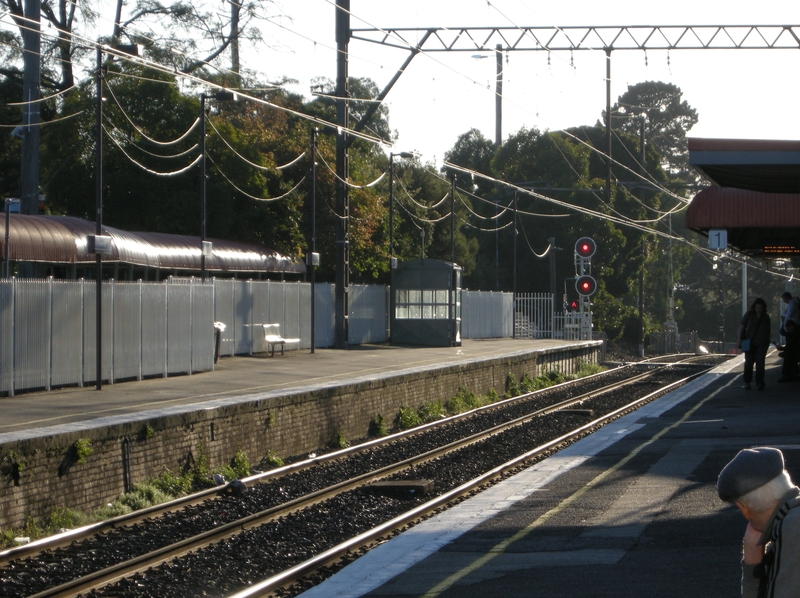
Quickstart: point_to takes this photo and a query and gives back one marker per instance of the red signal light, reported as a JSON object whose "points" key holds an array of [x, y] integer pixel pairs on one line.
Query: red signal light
{"points": [[586, 286], [585, 247]]}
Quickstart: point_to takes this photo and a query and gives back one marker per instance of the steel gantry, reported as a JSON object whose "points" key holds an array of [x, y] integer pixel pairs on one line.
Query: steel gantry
{"points": [[626, 37], [513, 38]]}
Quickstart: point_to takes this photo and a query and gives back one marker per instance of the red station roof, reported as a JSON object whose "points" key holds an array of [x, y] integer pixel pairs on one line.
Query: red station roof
{"points": [[757, 197]]}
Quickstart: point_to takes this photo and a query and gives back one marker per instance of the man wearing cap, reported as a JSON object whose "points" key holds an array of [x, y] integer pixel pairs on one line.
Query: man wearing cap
{"points": [[756, 481]]}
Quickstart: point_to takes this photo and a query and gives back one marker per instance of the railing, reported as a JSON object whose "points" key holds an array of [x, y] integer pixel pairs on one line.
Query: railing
{"points": [[534, 317]]}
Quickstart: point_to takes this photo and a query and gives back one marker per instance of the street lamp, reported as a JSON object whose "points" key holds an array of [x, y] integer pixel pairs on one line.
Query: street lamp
{"points": [[205, 248], [9, 201], [392, 259], [100, 244]]}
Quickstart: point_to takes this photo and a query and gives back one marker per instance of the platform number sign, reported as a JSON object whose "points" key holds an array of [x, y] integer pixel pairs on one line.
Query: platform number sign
{"points": [[717, 238]]}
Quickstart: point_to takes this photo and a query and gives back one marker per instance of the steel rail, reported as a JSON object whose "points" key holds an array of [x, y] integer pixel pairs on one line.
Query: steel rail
{"points": [[288, 577], [128, 519], [109, 575]]}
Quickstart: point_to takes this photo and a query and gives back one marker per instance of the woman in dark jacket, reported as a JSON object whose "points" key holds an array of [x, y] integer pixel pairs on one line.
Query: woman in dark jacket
{"points": [[755, 327]]}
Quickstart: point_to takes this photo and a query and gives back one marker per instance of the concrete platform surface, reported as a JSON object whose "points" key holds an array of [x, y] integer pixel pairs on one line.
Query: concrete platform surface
{"points": [[629, 511], [242, 376]]}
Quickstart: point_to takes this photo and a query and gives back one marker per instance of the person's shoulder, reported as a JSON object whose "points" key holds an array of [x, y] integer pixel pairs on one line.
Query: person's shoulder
{"points": [[792, 522]]}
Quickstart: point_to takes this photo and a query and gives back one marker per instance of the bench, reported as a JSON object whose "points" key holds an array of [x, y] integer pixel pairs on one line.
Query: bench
{"points": [[272, 336]]}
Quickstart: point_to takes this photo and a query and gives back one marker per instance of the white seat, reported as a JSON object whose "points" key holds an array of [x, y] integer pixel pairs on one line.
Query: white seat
{"points": [[272, 336]]}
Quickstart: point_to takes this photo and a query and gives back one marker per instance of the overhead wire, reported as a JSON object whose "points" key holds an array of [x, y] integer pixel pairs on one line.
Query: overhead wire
{"points": [[145, 168], [145, 135], [330, 124], [422, 205], [253, 164], [579, 209], [44, 123], [42, 99], [471, 211], [160, 68], [348, 183], [144, 151], [484, 230], [528, 243], [245, 193], [389, 34]]}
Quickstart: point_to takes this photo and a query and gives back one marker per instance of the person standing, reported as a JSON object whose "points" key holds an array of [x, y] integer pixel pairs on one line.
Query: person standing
{"points": [[758, 484], [792, 311], [790, 352], [753, 339]]}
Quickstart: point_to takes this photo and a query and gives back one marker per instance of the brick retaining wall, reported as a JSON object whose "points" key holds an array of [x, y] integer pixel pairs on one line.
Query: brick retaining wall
{"points": [[40, 472]]}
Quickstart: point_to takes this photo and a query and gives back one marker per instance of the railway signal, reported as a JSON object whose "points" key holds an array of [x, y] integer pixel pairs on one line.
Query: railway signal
{"points": [[585, 247], [586, 285]]}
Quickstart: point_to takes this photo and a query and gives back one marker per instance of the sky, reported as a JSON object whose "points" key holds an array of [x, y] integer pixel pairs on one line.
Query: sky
{"points": [[750, 94]]}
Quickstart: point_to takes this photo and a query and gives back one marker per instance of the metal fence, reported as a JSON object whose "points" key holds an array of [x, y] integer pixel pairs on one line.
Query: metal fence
{"points": [[164, 328], [534, 317], [485, 314], [148, 329]]}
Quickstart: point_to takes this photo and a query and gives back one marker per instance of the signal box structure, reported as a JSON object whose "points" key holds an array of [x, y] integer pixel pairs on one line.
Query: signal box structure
{"points": [[425, 304]]}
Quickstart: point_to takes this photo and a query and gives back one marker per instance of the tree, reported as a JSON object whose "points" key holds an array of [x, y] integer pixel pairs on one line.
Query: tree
{"points": [[474, 151], [669, 119]]}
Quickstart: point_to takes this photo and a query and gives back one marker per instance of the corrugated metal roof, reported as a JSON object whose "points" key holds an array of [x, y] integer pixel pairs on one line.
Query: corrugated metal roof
{"points": [[724, 207], [62, 240], [772, 166]]}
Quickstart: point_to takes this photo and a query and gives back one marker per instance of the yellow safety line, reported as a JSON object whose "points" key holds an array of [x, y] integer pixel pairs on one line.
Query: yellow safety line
{"points": [[501, 547]]}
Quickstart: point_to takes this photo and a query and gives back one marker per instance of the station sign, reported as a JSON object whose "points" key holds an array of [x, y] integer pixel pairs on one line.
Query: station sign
{"points": [[717, 238]]}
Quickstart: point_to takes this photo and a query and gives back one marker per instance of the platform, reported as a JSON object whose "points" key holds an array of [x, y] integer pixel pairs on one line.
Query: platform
{"points": [[631, 510], [244, 376], [256, 408]]}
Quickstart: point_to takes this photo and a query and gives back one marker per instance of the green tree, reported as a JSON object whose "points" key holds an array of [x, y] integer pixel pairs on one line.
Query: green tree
{"points": [[669, 119], [474, 151]]}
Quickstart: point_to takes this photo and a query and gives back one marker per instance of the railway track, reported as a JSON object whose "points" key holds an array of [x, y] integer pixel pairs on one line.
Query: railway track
{"points": [[546, 419]]}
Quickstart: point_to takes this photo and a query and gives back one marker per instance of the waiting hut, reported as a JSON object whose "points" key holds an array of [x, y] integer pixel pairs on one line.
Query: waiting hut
{"points": [[426, 303]]}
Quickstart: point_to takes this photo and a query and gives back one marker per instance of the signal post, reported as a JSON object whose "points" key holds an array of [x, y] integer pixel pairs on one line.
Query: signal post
{"points": [[585, 285]]}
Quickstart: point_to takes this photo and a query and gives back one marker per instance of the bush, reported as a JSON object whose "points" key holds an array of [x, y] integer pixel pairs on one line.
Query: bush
{"points": [[82, 448], [340, 441], [431, 411], [407, 418], [65, 518], [377, 427], [585, 368], [273, 459], [512, 388], [464, 400], [174, 485], [527, 384]]}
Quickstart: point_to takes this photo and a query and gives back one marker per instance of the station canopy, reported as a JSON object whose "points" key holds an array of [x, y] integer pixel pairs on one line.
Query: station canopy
{"points": [[755, 197], [63, 240]]}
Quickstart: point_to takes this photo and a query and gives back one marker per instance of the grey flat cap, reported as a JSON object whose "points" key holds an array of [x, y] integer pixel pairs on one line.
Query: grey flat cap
{"points": [[749, 469]]}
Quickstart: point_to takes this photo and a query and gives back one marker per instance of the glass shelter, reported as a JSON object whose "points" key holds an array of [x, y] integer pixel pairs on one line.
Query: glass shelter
{"points": [[426, 304]]}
